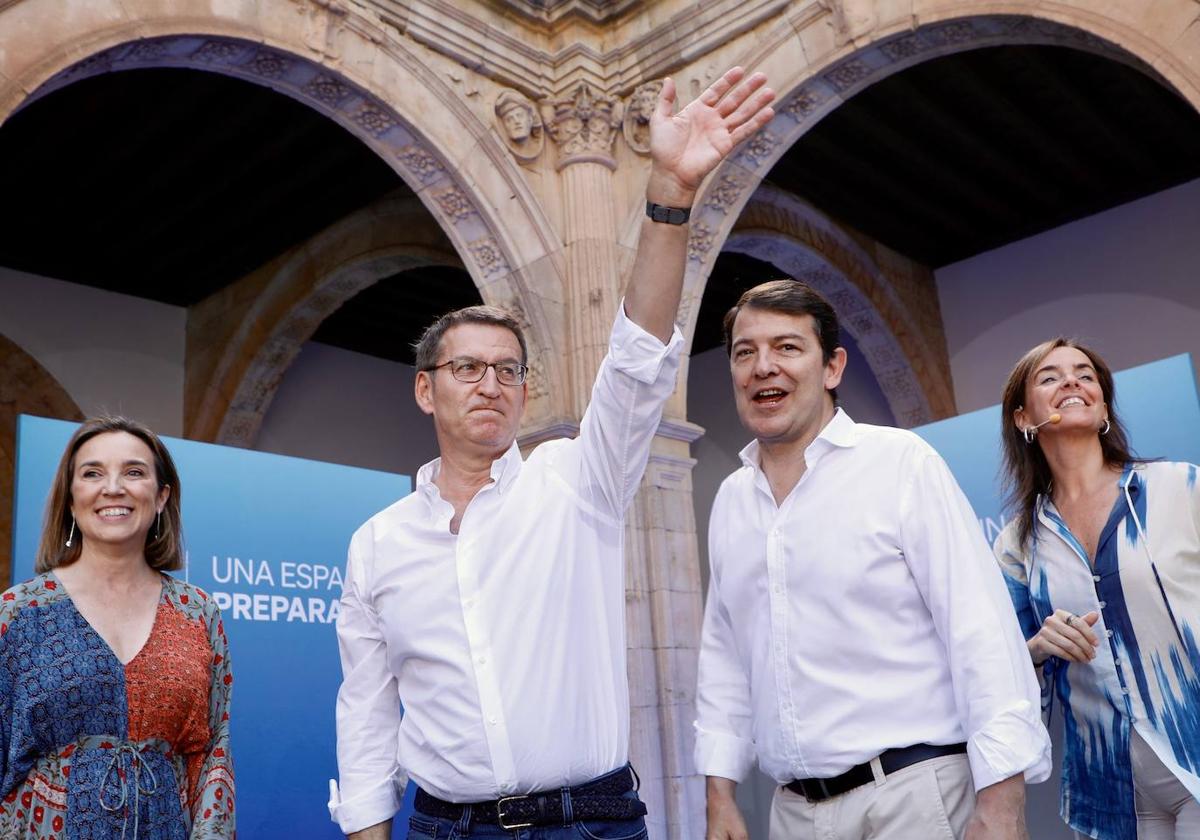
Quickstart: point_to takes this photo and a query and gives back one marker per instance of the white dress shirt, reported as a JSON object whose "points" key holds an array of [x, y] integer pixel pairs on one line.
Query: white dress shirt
{"points": [[505, 642], [863, 613]]}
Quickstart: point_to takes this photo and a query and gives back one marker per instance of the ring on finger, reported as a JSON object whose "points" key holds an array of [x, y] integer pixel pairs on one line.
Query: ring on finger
{"points": [[1070, 618]]}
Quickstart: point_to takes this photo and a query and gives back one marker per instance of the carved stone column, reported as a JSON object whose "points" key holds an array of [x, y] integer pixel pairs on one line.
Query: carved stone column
{"points": [[663, 618], [583, 127]]}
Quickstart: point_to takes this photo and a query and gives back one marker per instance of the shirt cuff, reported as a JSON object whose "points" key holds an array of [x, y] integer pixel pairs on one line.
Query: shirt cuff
{"points": [[637, 353], [1012, 742], [722, 754], [369, 807]]}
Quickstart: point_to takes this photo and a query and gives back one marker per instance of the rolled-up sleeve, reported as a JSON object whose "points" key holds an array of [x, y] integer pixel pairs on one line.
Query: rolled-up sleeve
{"points": [[634, 381], [995, 689], [371, 782]]}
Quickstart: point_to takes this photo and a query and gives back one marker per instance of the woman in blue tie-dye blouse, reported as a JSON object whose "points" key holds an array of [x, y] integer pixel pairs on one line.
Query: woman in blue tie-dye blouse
{"points": [[1102, 560]]}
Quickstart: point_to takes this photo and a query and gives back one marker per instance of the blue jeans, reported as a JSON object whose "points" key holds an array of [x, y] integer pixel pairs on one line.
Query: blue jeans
{"points": [[424, 827]]}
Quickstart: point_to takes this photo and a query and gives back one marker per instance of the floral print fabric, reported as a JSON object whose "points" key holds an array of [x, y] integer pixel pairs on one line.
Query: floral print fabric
{"points": [[91, 749]]}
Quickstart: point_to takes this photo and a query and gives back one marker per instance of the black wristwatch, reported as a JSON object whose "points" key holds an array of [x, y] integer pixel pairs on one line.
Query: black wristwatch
{"points": [[670, 215]]}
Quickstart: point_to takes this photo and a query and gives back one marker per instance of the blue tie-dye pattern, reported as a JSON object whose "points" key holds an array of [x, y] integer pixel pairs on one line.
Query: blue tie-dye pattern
{"points": [[1107, 810], [1098, 787], [1111, 590], [1181, 716]]}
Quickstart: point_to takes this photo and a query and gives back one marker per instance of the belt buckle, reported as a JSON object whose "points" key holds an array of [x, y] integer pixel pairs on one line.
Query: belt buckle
{"points": [[821, 788], [500, 814]]}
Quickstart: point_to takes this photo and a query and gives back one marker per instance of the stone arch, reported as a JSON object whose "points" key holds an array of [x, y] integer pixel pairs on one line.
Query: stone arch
{"points": [[25, 388], [857, 48], [780, 228], [241, 340], [339, 59]]}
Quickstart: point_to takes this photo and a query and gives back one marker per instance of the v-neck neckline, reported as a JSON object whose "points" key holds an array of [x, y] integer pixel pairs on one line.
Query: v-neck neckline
{"points": [[162, 591]]}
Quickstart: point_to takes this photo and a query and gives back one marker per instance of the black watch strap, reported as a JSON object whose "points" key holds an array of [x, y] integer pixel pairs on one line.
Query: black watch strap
{"points": [[670, 215]]}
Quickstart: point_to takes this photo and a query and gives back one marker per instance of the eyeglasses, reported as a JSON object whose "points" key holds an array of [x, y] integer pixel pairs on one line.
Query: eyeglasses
{"points": [[466, 369]]}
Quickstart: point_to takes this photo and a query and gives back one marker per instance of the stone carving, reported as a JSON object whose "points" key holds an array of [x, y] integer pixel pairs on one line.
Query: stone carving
{"points": [[147, 51], [851, 18], [454, 203], [700, 241], [583, 127], [218, 52], [760, 147], [270, 65], [488, 256], [374, 119], [327, 89], [848, 74], [722, 196], [802, 103], [520, 125], [421, 164], [636, 125]]}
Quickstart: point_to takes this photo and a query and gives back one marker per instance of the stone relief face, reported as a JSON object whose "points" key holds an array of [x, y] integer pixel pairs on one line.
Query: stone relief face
{"points": [[637, 116], [520, 126], [518, 122], [641, 106]]}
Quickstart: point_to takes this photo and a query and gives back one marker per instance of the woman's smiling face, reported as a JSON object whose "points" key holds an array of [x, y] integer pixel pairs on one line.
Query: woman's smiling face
{"points": [[114, 490]]}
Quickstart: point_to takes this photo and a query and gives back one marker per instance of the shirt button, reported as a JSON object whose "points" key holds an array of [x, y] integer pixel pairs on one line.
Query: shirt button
{"points": [[1096, 578], [492, 720], [483, 660], [1108, 633], [1103, 604], [470, 603]]}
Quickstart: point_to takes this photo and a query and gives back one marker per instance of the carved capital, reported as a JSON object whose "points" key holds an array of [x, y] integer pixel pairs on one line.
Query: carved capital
{"points": [[520, 125], [583, 127], [636, 125]]}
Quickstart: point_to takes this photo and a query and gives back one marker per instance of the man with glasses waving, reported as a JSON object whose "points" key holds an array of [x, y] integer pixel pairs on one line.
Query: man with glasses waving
{"points": [[491, 602]]}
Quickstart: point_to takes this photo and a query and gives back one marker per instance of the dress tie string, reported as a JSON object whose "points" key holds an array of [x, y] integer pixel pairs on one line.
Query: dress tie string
{"points": [[116, 773]]}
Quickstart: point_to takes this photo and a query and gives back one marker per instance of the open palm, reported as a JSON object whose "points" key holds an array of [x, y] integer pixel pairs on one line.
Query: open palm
{"points": [[688, 145]]}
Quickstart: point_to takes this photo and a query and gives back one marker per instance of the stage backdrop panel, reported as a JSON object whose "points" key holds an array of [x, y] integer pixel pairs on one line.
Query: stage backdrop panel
{"points": [[266, 536]]}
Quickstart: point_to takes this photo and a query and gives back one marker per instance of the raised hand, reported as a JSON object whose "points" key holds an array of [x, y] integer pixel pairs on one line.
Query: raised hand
{"points": [[686, 146]]}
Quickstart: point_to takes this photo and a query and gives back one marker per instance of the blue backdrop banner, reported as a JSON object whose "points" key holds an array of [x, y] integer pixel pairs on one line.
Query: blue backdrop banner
{"points": [[1157, 402], [266, 536]]}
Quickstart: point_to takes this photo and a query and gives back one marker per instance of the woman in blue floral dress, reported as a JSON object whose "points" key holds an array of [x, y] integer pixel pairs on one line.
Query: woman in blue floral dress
{"points": [[114, 676]]}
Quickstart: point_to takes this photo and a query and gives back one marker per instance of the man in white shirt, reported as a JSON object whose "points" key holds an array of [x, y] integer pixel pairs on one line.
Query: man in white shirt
{"points": [[490, 602], [857, 640]]}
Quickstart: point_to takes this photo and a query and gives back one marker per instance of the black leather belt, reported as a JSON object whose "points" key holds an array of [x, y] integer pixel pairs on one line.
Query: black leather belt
{"points": [[815, 790], [600, 799]]}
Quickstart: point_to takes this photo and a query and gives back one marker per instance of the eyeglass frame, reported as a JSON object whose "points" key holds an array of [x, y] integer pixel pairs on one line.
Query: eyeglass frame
{"points": [[522, 370]]}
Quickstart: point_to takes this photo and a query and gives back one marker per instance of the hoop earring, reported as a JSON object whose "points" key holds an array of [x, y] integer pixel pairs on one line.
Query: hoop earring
{"points": [[1107, 426], [71, 535], [1030, 434]]}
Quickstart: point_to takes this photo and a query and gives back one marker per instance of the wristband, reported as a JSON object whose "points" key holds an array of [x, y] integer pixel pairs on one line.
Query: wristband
{"points": [[670, 215]]}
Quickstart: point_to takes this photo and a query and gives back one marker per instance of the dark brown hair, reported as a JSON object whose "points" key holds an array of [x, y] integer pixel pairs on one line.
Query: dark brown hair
{"points": [[1026, 471], [795, 298], [164, 543], [430, 344]]}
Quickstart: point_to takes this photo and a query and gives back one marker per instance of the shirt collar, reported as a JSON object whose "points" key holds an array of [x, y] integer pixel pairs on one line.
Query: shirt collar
{"points": [[840, 431], [504, 471]]}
